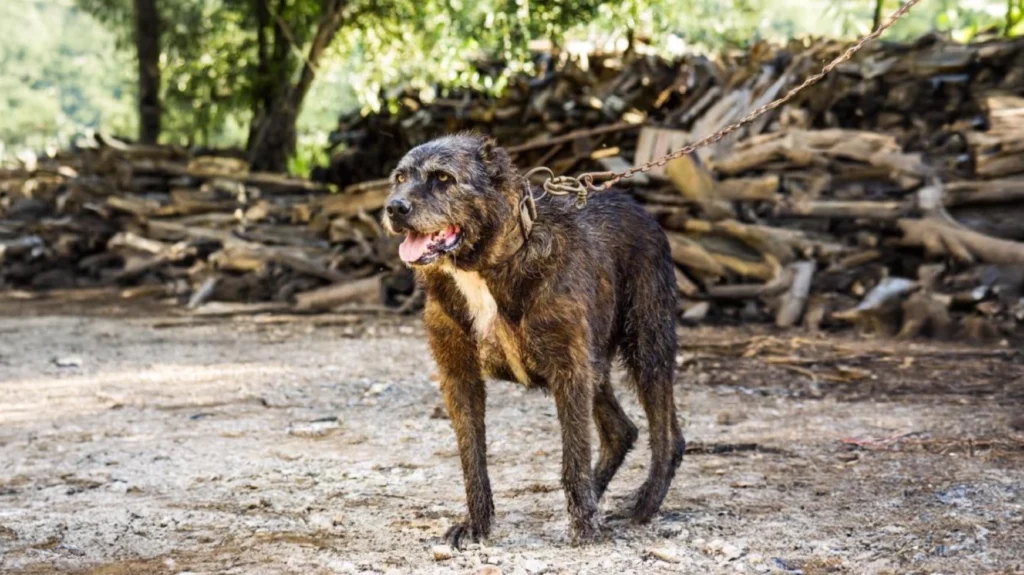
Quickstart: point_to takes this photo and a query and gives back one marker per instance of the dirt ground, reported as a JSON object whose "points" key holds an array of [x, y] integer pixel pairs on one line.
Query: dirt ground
{"points": [[150, 443]]}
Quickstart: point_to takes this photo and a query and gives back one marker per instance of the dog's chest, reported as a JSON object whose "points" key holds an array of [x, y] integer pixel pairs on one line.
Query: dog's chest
{"points": [[498, 345]]}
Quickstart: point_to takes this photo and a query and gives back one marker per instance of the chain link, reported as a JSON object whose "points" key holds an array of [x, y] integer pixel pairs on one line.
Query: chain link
{"points": [[583, 184]]}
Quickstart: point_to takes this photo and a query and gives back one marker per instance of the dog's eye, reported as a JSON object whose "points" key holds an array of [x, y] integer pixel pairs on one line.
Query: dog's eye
{"points": [[442, 177], [400, 178]]}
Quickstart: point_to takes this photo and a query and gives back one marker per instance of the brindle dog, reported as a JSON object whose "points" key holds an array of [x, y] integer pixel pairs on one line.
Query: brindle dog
{"points": [[548, 305]]}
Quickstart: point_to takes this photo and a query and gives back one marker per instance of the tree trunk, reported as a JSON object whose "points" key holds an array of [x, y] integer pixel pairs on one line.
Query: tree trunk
{"points": [[274, 66], [879, 5], [147, 45], [276, 137], [1014, 13]]}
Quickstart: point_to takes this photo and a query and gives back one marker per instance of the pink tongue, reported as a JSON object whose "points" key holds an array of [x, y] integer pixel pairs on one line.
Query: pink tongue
{"points": [[414, 247]]}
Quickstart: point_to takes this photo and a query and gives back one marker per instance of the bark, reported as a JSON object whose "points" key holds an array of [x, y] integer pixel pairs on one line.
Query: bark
{"points": [[1013, 16], [275, 141], [147, 45], [274, 65]]}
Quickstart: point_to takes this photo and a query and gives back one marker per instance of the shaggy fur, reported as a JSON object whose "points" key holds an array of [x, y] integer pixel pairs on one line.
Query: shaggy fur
{"points": [[551, 311]]}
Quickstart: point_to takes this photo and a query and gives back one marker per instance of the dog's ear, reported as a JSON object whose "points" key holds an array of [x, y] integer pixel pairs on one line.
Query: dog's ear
{"points": [[494, 158], [487, 146]]}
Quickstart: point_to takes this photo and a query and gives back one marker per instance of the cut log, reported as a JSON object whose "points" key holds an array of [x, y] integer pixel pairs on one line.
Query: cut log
{"points": [[941, 239], [362, 291], [883, 211], [348, 205], [794, 301]]}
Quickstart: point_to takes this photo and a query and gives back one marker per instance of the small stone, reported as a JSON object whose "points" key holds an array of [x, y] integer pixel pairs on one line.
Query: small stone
{"points": [[727, 551], [377, 389], [488, 570], [315, 430], [534, 566], [320, 522], [68, 361], [663, 554], [119, 487], [442, 552], [671, 531], [731, 552]]}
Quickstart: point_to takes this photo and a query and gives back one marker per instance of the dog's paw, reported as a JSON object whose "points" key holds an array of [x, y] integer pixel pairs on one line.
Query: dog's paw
{"points": [[464, 533], [586, 531], [639, 507]]}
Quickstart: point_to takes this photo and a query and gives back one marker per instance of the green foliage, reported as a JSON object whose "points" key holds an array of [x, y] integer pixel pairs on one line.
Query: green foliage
{"points": [[208, 63], [61, 74]]}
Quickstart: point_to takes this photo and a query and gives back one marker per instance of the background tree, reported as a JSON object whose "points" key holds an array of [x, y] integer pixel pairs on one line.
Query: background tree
{"points": [[147, 47], [270, 76]]}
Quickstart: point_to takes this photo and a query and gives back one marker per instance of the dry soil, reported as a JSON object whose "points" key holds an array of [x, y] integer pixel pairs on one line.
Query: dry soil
{"points": [[146, 443]]}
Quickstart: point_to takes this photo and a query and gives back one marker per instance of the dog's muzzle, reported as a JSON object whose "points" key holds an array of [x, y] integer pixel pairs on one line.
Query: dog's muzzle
{"points": [[398, 210]]}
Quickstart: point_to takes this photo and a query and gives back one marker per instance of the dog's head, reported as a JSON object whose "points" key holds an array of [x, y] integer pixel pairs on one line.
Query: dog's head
{"points": [[454, 198]]}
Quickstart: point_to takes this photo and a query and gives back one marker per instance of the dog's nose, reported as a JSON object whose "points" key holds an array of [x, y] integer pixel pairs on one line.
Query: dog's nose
{"points": [[398, 207]]}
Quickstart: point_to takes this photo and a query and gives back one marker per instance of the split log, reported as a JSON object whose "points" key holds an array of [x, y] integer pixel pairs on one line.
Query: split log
{"points": [[348, 205], [748, 291], [266, 181], [794, 301], [362, 291], [941, 239], [884, 211]]}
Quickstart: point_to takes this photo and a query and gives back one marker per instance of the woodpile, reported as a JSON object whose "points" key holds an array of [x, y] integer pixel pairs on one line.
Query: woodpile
{"points": [[157, 221], [890, 196]]}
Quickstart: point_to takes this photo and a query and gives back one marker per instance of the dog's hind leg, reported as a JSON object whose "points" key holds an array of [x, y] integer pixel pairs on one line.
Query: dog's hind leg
{"points": [[616, 430], [574, 397], [648, 350]]}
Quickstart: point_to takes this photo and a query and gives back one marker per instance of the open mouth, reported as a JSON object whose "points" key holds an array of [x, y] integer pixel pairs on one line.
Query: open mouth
{"points": [[420, 249]]}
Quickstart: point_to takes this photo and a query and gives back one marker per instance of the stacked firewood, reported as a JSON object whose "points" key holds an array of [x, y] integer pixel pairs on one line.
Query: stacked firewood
{"points": [[157, 221], [890, 196]]}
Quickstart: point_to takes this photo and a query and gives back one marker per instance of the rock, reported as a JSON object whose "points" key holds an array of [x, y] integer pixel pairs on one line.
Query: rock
{"points": [[488, 570], [673, 531], [377, 389], [442, 552], [727, 551], [663, 554], [68, 361], [315, 430], [534, 566], [730, 551], [320, 522]]}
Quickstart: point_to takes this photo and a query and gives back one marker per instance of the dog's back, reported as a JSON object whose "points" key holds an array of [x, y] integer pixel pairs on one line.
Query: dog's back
{"points": [[613, 242]]}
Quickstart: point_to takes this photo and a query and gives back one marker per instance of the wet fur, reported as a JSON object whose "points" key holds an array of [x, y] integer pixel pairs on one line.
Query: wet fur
{"points": [[553, 313]]}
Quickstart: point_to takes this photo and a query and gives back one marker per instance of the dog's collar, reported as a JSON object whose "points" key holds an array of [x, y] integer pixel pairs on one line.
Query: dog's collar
{"points": [[515, 240]]}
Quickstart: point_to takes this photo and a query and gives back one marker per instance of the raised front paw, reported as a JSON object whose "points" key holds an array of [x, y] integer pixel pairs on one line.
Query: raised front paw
{"points": [[464, 533]]}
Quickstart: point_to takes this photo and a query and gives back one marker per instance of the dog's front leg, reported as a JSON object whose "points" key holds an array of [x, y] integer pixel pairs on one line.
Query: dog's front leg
{"points": [[465, 399], [574, 399]]}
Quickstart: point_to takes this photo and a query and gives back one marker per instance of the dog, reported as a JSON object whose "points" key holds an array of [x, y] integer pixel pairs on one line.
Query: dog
{"points": [[547, 295]]}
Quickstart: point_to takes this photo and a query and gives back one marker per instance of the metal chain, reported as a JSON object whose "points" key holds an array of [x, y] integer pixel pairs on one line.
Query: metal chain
{"points": [[583, 184]]}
